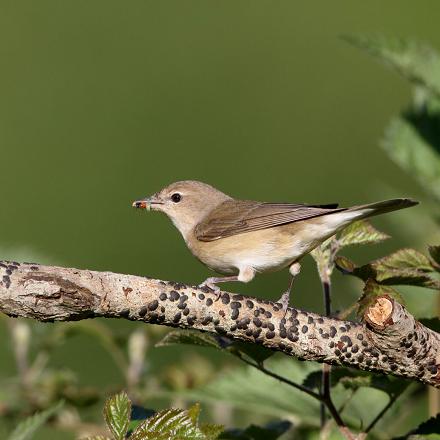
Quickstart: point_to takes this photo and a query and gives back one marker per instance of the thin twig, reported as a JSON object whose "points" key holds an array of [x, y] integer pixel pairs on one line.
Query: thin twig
{"points": [[335, 414], [282, 379], [326, 401], [380, 415]]}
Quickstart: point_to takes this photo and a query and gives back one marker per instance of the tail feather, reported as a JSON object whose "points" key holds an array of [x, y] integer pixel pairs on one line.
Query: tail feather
{"points": [[377, 208]]}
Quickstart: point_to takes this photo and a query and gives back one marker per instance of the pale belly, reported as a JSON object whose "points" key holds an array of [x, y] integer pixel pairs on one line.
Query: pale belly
{"points": [[265, 250]]}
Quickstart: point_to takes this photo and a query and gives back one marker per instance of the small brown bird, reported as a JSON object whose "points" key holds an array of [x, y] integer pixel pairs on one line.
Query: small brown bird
{"points": [[240, 238]]}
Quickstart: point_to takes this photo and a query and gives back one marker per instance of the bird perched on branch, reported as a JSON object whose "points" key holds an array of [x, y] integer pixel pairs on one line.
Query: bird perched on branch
{"points": [[241, 238]]}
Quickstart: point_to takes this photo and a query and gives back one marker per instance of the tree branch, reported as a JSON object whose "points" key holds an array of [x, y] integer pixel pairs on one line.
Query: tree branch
{"points": [[390, 341]]}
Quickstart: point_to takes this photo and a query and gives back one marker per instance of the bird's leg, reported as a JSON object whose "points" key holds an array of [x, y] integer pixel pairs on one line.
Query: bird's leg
{"points": [[245, 275], [294, 270], [211, 282]]}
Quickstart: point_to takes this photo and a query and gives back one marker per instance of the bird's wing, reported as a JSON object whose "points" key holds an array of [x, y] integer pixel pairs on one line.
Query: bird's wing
{"points": [[234, 217]]}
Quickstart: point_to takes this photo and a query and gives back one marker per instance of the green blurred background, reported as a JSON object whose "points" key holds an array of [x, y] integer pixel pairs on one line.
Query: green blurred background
{"points": [[102, 102]]}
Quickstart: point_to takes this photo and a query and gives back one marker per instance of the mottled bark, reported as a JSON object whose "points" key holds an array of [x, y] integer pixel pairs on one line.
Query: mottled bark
{"points": [[390, 341]]}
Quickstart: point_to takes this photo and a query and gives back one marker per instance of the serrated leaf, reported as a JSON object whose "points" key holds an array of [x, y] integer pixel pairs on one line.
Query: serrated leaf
{"points": [[194, 412], [117, 411], [360, 232], [371, 291], [430, 426], [168, 424], [404, 267], [434, 251], [417, 62], [27, 428], [189, 337], [404, 259], [211, 431], [271, 431]]}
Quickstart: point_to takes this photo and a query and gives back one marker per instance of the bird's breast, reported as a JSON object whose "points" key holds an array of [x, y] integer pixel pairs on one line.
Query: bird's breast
{"points": [[264, 250]]}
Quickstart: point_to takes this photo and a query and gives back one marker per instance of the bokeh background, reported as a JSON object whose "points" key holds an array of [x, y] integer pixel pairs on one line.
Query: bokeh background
{"points": [[102, 102]]}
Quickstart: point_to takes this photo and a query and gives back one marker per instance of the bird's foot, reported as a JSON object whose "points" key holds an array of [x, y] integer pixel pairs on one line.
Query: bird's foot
{"points": [[212, 286]]}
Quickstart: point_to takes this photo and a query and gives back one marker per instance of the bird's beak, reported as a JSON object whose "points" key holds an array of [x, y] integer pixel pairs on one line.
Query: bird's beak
{"points": [[147, 203]]}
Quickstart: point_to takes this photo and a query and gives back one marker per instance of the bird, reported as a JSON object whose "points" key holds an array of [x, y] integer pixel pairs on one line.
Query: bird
{"points": [[241, 238]]}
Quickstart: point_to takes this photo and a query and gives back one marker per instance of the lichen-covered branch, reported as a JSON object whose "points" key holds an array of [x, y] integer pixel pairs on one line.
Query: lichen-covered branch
{"points": [[390, 341]]}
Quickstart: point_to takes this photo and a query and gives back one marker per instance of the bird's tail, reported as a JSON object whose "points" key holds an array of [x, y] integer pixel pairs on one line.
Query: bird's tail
{"points": [[377, 208], [338, 220]]}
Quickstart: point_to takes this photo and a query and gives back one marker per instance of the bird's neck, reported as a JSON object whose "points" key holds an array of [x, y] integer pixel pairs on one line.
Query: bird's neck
{"points": [[184, 226], [186, 222]]}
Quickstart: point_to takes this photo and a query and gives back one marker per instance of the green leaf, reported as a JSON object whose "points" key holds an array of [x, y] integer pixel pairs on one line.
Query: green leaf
{"points": [[406, 258], [353, 379], [236, 348], [346, 266], [371, 291], [194, 412], [430, 426], [257, 353], [417, 62], [117, 412], [271, 431], [388, 384], [404, 267], [246, 388], [434, 251], [211, 431], [323, 256], [26, 429], [168, 424], [412, 141], [361, 232]]}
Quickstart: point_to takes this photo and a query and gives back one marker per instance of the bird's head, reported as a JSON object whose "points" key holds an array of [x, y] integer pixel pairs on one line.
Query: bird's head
{"points": [[186, 203]]}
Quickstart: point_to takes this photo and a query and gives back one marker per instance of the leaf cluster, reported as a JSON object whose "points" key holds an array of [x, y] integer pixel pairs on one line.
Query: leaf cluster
{"points": [[167, 424], [412, 139], [403, 267]]}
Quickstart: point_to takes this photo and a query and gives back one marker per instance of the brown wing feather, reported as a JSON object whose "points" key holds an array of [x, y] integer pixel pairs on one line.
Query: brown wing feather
{"points": [[234, 217]]}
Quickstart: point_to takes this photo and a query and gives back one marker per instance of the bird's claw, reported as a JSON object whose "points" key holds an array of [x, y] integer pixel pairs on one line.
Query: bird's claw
{"points": [[284, 301], [215, 289]]}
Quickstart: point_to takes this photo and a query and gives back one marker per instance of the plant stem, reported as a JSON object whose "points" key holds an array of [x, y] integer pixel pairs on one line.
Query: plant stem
{"points": [[326, 401], [335, 414]]}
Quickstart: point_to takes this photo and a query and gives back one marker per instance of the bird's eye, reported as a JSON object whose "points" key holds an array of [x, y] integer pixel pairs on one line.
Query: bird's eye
{"points": [[176, 197]]}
